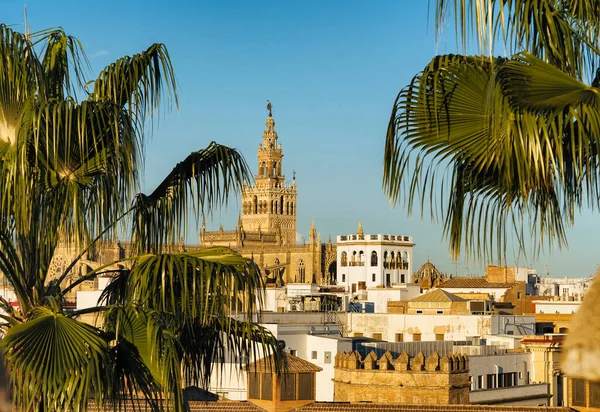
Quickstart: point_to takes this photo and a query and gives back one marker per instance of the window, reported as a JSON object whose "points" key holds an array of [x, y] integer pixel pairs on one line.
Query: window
{"points": [[288, 387], [327, 357], [301, 271], [305, 386], [254, 386], [440, 312], [293, 352], [594, 394], [313, 354], [518, 294], [578, 392], [419, 311], [439, 336], [377, 336], [344, 259], [373, 278], [267, 387], [343, 277], [416, 337], [373, 258], [402, 279], [480, 382], [399, 337], [358, 334], [490, 381]]}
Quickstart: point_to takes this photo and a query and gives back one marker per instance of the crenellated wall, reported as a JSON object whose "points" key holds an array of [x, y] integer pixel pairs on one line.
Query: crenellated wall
{"points": [[414, 380]]}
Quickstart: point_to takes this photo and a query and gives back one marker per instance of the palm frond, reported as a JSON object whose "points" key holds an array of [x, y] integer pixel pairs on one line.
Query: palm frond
{"points": [[55, 361], [203, 180]]}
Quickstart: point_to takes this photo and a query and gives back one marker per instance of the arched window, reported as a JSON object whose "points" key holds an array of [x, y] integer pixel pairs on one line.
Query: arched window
{"points": [[292, 207], [255, 205], [301, 271], [281, 205], [261, 169], [287, 208], [275, 168], [344, 259], [276, 270], [373, 258], [278, 168], [392, 261], [405, 260], [353, 258], [361, 256], [385, 260], [271, 206]]}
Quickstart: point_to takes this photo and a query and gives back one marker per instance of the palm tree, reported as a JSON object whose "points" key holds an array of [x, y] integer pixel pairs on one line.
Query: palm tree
{"points": [[503, 145], [70, 155]]}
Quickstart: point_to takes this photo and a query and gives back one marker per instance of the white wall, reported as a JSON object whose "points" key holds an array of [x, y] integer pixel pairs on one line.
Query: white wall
{"points": [[560, 307], [322, 345], [88, 298], [483, 365], [380, 297]]}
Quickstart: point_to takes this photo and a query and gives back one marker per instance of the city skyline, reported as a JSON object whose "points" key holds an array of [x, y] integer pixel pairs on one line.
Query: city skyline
{"points": [[332, 72]]}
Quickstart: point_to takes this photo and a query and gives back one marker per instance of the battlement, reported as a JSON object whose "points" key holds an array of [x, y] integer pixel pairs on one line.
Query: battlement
{"points": [[404, 363]]}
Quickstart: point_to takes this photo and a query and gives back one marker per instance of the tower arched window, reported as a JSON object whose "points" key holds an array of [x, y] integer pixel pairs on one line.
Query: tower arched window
{"points": [[385, 260], [353, 258], [261, 169], [399, 264], [392, 260], [281, 205], [373, 258], [274, 169], [344, 259], [405, 260], [287, 208], [361, 256], [292, 209], [255, 205], [271, 206], [279, 168], [301, 271]]}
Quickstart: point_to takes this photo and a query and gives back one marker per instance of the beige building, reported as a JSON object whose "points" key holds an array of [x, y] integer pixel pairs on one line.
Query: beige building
{"points": [[266, 230], [419, 380]]}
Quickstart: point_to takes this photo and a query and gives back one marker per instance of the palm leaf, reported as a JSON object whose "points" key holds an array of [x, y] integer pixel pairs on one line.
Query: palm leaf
{"points": [[204, 179], [54, 362]]}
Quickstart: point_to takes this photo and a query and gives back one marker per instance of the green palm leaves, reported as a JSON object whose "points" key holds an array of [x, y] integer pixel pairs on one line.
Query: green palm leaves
{"points": [[511, 142], [69, 170]]}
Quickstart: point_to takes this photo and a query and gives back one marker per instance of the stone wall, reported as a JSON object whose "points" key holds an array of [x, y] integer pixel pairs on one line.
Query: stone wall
{"points": [[418, 380]]}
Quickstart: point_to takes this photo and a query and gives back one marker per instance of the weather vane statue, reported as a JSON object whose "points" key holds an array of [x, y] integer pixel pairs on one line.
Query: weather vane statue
{"points": [[270, 108]]}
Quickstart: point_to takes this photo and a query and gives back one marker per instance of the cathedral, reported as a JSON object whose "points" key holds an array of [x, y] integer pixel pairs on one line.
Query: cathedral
{"points": [[266, 229]]}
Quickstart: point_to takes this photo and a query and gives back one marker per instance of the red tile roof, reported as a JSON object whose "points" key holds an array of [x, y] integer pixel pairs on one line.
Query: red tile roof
{"points": [[473, 283]]}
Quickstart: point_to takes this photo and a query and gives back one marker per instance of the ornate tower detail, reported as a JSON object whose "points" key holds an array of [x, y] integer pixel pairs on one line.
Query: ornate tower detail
{"points": [[270, 204]]}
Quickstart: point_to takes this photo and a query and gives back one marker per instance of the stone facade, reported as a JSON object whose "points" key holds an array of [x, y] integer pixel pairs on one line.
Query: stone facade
{"points": [[266, 230], [418, 380]]}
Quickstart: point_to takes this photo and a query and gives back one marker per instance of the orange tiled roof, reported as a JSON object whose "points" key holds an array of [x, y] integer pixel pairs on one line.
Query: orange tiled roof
{"points": [[473, 283], [294, 365]]}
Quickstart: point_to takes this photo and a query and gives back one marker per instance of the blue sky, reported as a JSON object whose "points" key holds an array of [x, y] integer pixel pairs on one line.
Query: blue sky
{"points": [[332, 70]]}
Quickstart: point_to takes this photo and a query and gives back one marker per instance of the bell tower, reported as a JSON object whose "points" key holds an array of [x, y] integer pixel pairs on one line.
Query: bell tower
{"points": [[269, 206]]}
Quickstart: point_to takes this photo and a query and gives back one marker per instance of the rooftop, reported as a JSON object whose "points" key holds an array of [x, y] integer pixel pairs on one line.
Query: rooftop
{"points": [[438, 295], [294, 365], [473, 283]]}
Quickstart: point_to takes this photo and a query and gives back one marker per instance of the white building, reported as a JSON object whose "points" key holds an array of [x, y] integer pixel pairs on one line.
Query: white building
{"points": [[566, 288], [316, 343], [559, 307], [370, 261], [402, 327]]}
